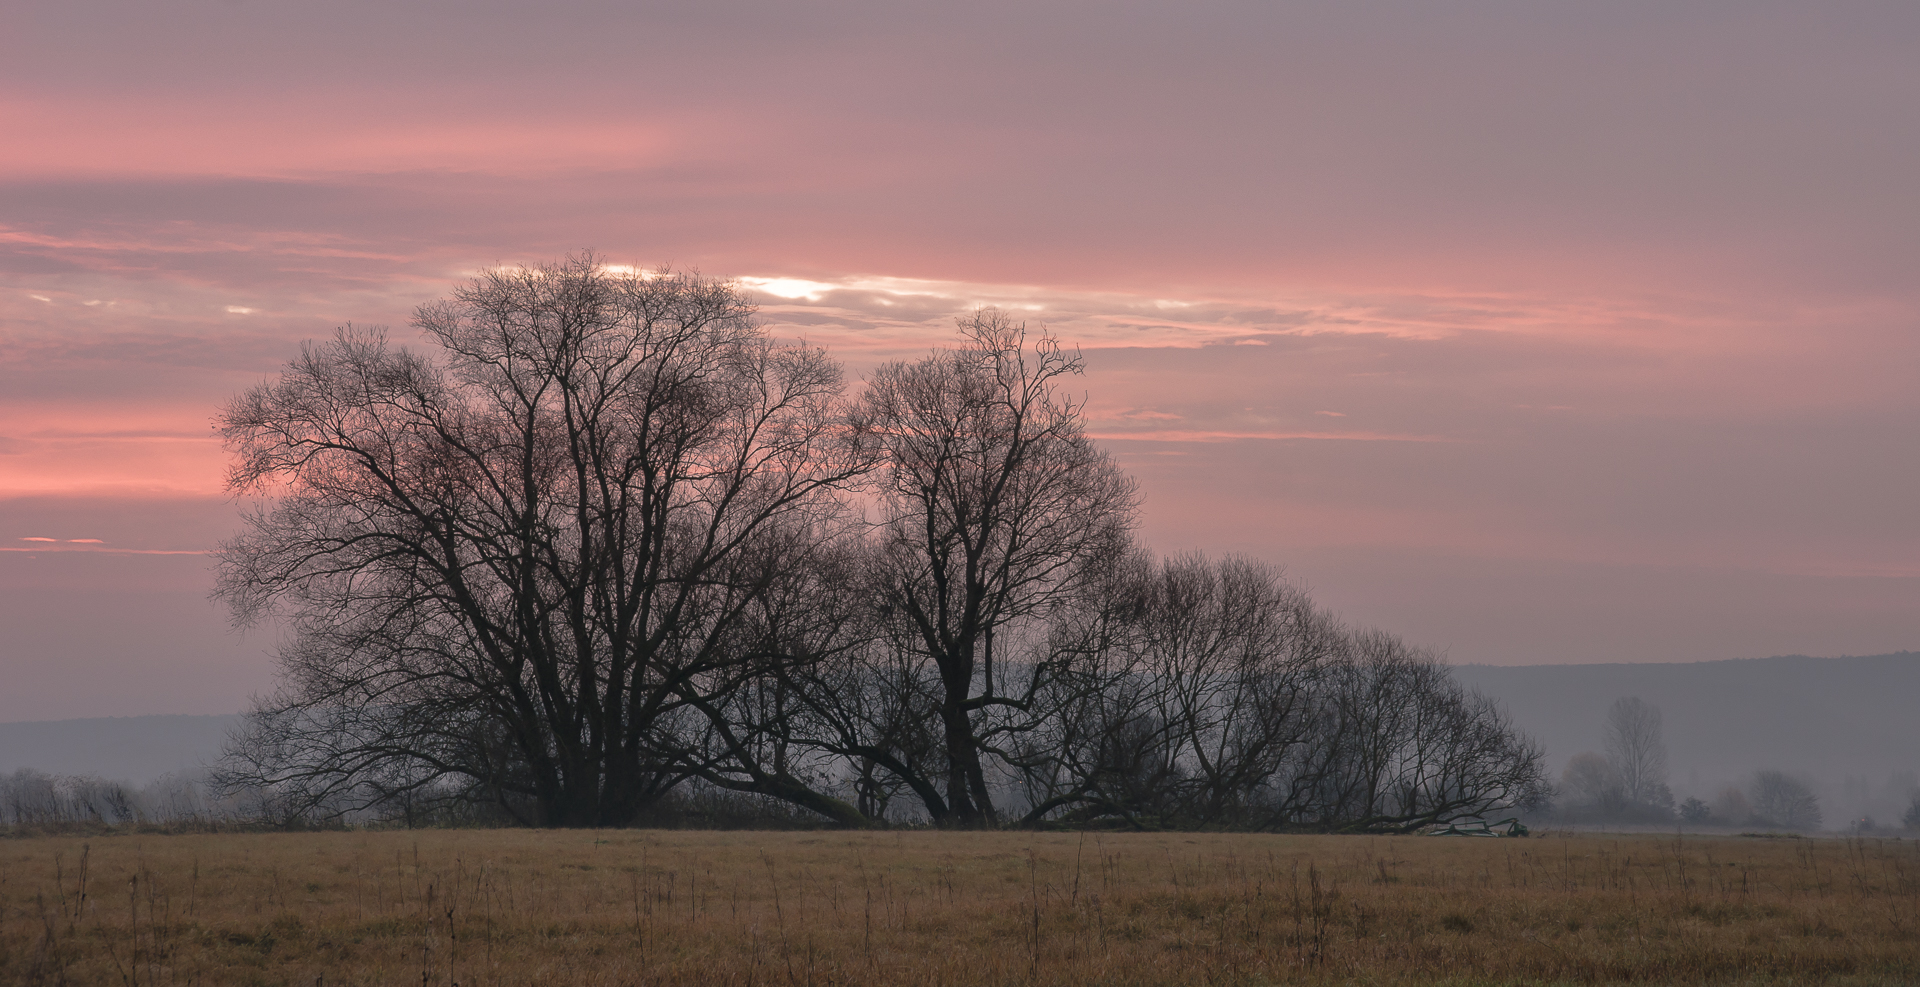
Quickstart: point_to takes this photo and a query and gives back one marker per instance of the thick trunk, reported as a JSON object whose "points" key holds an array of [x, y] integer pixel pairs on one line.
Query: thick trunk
{"points": [[573, 809], [959, 735], [968, 803]]}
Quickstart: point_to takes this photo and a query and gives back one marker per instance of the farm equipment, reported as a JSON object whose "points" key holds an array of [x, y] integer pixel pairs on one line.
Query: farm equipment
{"points": [[1480, 827]]}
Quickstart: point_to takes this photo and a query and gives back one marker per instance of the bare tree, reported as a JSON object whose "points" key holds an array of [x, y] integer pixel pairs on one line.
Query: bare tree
{"points": [[517, 567], [1731, 807], [1213, 693], [1637, 751], [1402, 745], [1182, 689], [1781, 800], [994, 503]]}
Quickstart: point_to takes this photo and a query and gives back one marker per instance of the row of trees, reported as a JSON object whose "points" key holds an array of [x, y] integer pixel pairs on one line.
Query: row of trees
{"points": [[1628, 783], [1772, 799], [612, 541], [36, 799]]}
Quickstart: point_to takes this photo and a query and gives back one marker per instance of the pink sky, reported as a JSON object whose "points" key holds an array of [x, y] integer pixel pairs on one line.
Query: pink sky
{"points": [[1530, 332]]}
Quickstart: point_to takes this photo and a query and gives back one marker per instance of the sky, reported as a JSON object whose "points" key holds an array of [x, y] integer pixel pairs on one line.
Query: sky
{"points": [[1533, 332]]}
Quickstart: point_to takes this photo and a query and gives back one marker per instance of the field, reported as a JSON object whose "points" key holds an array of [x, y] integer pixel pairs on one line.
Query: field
{"points": [[483, 907]]}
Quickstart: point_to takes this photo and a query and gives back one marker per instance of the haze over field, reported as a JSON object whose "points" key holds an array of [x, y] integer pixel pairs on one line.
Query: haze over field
{"points": [[1843, 724], [1536, 335]]}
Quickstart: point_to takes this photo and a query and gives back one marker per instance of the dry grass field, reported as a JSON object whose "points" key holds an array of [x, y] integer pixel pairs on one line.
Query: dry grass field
{"points": [[817, 908]]}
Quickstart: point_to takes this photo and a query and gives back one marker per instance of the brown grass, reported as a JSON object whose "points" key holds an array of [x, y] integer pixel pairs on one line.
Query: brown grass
{"points": [[634, 907]]}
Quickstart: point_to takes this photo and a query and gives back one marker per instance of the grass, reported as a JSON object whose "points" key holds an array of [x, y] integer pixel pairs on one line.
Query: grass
{"points": [[484, 907]]}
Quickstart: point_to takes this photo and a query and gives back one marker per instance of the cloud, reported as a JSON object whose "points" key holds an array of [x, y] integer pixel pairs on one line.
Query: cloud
{"points": [[111, 551], [1191, 435], [1645, 301], [125, 521]]}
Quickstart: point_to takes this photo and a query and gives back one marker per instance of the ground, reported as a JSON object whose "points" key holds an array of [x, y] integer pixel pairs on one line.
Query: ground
{"points": [[483, 907]]}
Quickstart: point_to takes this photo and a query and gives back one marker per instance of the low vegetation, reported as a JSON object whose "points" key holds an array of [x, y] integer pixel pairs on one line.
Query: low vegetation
{"points": [[482, 907]]}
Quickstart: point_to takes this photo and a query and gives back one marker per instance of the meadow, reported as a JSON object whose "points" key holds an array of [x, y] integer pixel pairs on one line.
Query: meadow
{"points": [[630, 907]]}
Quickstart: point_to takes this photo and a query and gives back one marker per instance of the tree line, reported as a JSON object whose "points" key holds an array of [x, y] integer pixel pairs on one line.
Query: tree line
{"points": [[1628, 783], [608, 541], [36, 799]]}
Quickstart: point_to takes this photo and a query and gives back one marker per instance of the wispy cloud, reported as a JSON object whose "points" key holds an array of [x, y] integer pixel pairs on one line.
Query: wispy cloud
{"points": [[875, 312], [110, 551], [1195, 435], [1629, 305]]}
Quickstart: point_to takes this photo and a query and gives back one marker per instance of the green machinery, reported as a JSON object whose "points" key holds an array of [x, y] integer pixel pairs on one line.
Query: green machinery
{"points": [[1480, 827]]}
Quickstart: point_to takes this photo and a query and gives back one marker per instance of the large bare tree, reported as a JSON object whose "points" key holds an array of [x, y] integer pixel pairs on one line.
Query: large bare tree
{"points": [[995, 502], [517, 566]]}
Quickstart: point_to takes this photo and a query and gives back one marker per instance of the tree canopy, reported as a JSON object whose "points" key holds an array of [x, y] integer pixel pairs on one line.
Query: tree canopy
{"points": [[607, 540]]}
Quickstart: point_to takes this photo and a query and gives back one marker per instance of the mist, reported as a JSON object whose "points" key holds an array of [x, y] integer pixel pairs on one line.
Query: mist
{"points": [[1845, 726]]}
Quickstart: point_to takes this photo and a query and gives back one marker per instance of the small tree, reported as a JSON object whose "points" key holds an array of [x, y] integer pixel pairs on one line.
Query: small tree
{"points": [[1780, 800], [1912, 818], [1695, 811], [1731, 806]]}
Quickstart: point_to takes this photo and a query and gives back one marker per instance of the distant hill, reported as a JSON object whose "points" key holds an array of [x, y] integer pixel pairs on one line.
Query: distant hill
{"points": [[134, 749], [1826, 719]]}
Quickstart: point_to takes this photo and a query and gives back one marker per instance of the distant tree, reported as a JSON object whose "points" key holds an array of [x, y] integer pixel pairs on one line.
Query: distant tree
{"points": [[1911, 819], [29, 797], [1731, 806], [1781, 800], [1590, 784], [1637, 751], [1695, 811]]}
